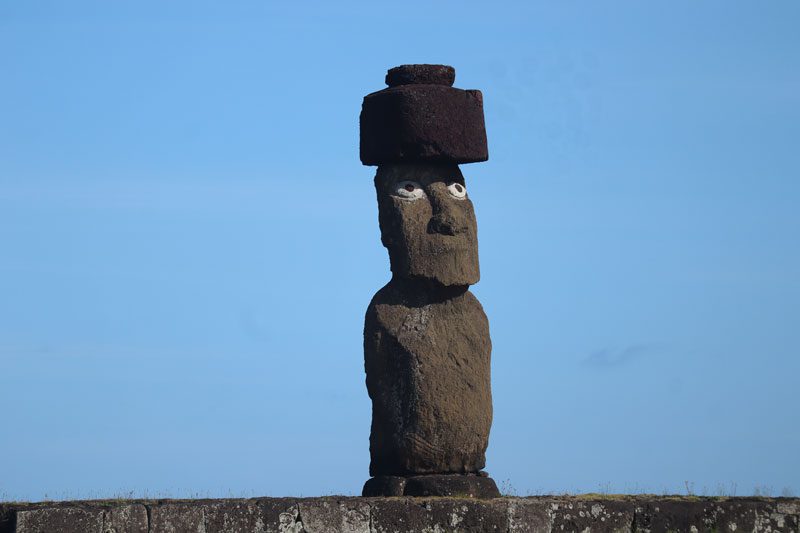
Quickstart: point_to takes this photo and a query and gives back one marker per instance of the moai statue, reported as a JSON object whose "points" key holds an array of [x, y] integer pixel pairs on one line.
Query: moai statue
{"points": [[426, 338]]}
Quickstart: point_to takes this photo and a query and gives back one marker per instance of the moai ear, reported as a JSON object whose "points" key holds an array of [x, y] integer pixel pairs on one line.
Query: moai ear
{"points": [[386, 238], [383, 221]]}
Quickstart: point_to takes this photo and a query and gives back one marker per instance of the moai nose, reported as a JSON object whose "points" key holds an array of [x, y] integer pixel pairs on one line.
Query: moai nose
{"points": [[444, 219]]}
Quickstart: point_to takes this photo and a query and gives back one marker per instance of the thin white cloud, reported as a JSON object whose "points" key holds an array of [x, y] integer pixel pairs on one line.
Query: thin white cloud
{"points": [[611, 358]]}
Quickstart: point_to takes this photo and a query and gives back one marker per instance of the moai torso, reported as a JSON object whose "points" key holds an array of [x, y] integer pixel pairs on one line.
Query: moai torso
{"points": [[426, 338], [427, 361]]}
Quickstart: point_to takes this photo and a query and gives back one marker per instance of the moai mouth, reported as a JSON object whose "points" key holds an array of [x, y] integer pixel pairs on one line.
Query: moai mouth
{"points": [[427, 350]]}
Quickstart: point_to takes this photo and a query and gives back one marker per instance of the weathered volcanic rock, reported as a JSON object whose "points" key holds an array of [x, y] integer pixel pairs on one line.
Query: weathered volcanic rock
{"points": [[420, 119], [434, 236], [127, 518], [438, 515], [441, 485], [75, 519], [427, 355], [452, 485], [175, 517], [421, 75], [385, 486]]}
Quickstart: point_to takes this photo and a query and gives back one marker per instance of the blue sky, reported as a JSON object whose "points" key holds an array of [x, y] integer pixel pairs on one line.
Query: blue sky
{"points": [[189, 242]]}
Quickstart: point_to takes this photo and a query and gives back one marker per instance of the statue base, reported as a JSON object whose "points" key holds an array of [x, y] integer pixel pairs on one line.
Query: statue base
{"points": [[478, 486]]}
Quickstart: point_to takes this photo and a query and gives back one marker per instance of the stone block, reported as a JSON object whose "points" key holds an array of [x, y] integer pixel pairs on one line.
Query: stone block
{"points": [[572, 514], [438, 515], [177, 518], [125, 519], [236, 516], [453, 485], [331, 515], [528, 515], [384, 486], [423, 124], [716, 514], [60, 519], [281, 515], [421, 75]]}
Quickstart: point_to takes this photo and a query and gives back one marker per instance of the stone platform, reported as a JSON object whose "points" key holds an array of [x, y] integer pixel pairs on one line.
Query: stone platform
{"points": [[586, 513], [458, 486]]}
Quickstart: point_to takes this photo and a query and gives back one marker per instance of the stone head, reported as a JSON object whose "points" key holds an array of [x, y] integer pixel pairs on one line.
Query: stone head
{"points": [[428, 223]]}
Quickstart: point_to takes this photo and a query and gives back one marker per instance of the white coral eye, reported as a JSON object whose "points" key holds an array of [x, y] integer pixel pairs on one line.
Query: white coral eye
{"points": [[457, 190], [410, 190]]}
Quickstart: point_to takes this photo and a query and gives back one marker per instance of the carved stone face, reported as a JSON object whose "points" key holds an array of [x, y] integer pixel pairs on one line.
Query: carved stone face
{"points": [[428, 223]]}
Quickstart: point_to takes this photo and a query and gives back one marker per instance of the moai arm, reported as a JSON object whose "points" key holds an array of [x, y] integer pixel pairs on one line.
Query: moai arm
{"points": [[426, 338], [428, 374]]}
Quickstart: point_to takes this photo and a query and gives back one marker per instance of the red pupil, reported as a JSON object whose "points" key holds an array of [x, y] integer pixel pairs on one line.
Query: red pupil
{"points": [[409, 187]]}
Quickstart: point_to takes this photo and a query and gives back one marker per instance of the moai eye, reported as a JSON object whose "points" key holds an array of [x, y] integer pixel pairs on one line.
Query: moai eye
{"points": [[457, 190], [410, 190]]}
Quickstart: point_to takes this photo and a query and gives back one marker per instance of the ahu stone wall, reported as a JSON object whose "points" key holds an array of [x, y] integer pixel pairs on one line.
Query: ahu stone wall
{"points": [[583, 514]]}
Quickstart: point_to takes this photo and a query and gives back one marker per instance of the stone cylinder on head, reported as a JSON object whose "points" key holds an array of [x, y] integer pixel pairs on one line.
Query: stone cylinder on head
{"points": [[421, 118]]}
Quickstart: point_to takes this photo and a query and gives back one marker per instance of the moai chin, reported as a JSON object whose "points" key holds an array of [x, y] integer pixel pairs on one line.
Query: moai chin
{"points": [[426, 338]]}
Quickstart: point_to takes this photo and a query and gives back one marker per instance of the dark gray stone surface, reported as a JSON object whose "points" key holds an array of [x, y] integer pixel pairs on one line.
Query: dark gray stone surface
{"points": [[47, 520], [429, 233], [385, 486], [451, 485], [414, 515], [460, 486], [577, 515], [128, 518], [427, 362], [544, 514], [174, 517]]}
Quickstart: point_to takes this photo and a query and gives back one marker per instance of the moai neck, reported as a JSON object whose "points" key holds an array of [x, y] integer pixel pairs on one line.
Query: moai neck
{"points": [[421, 291], [427, 350]]}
